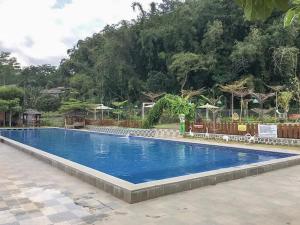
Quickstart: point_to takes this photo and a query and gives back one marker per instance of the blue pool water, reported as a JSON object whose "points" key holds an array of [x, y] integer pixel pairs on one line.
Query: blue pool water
{"points": [[135, 159]]}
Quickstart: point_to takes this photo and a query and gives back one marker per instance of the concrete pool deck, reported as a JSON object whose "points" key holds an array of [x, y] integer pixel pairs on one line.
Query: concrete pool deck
{"points": [[35, 193]]}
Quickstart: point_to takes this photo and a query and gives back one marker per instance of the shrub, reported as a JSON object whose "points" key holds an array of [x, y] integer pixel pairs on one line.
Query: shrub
{"points": [[48, 103]]}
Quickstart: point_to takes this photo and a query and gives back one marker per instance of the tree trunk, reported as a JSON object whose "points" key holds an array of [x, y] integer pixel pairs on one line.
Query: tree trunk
{"points": [[241, 109], [10, 115], [232, 100], [4, 121], [276, 103], [184, 82], [261, 112]]}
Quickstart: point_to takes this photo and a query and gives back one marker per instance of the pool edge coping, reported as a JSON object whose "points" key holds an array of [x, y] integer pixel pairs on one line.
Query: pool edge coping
{"points": [[133, 193]]}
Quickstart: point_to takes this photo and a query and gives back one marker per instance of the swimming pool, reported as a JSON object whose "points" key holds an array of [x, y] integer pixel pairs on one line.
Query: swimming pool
{"points": [[134, 159]]}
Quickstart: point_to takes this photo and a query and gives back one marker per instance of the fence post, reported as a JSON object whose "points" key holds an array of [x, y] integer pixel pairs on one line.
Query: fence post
{"points": [[295, 131], [285, 131], [235, 129]]}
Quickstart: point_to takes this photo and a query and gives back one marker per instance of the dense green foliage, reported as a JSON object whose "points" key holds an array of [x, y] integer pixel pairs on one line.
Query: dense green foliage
{"points": [[175, 104], [74, 105], [52, 119], [48, 103], [284, 100], [174, 46], [11, 92], [9, 69], [10, 100], [195, 44]]}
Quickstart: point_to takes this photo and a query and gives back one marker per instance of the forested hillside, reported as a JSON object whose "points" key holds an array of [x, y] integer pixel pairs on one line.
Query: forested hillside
{"points": [[174, 46]]}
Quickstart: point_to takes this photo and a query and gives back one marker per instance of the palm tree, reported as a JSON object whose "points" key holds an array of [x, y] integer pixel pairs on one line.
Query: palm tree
{"points": [[262, 98], [153, 8], [242, 94], [212, 100], [188, 94], [261, 112], [276, 89], [140, 7], [232, 88], [153, 96], [119, 106]]}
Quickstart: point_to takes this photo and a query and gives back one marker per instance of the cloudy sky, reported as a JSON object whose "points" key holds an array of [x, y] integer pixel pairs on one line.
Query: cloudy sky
{"points": [[40, 31]]}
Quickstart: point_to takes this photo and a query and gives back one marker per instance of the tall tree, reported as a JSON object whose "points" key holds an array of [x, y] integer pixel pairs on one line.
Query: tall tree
{"points": [[9, 68], [10, 99], [184, 64]]}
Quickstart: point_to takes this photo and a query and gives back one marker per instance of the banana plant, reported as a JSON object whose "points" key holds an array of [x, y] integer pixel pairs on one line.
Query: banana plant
{"points": [[262, 9]]}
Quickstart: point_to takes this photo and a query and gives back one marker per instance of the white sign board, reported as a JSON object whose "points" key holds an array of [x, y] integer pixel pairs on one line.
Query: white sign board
{"points": [[267, 131]]}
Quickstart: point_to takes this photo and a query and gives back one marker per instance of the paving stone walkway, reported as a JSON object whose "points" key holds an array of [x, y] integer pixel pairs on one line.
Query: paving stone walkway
{"points": [[34, 193]]}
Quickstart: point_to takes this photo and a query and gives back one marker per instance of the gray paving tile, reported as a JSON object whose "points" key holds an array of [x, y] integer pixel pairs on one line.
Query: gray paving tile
{"points": [[62, 217], [94, 218], [23, 200], [12, 202], [51, 202], [14, 223], [4, 208], [22, 217]]}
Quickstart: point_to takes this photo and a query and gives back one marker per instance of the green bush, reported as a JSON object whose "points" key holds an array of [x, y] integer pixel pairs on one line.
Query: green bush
{"points": [[176, 105], [48, 103], [52, 119]]}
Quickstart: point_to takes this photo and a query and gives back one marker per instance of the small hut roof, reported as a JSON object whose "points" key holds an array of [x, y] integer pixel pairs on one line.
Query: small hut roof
{"points": [[76, 113], [32, 112], [102, 107], [57, 90]]}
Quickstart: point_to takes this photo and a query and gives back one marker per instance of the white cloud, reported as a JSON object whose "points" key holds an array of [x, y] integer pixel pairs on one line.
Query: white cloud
{"points": [[36, 32]]}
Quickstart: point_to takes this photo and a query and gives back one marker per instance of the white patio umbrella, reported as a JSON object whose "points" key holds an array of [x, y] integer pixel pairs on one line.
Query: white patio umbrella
{"points": [[102, 108], [212, 108]]}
